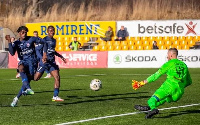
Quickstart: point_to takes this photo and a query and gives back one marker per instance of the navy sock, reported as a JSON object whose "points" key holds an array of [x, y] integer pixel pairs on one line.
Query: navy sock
{"points": [[56, 92], [25, 80], [47, 71], [21, 91]]}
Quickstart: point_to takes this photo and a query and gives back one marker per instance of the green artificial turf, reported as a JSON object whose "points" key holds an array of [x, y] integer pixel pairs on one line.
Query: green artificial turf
{"points": [[116, 97]]}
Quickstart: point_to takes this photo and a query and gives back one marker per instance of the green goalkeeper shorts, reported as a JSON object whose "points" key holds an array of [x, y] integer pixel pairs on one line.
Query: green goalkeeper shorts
{"points": [[169, 91]]}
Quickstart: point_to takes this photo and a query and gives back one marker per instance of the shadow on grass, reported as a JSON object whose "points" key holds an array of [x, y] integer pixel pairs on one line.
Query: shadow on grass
{"points": [[60, 90], [116, 94], [104, 99], [99, 98], [47, 91], [172, 114]]}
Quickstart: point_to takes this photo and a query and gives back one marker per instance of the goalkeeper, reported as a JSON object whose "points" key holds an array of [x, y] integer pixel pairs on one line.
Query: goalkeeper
{"points": [[178, 77]]}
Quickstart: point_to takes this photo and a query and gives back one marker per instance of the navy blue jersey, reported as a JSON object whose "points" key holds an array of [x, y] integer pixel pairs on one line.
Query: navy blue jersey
{"points": [[49, 48], [39, 48], [25, 48]]}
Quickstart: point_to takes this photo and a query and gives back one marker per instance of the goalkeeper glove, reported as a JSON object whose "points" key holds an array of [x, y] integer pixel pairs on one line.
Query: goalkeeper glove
{"points": [[136, 84]]}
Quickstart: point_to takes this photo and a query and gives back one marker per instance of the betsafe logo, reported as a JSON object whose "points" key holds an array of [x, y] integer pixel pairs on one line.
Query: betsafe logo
{"points": [[173, 28], [117, 59], [160, 29], [191, 28]]}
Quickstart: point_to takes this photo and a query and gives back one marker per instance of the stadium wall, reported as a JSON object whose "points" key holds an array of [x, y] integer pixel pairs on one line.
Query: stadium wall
{"points": [[119, 59], [3, 59], [134, 28], [78, 59], [150, 58]]}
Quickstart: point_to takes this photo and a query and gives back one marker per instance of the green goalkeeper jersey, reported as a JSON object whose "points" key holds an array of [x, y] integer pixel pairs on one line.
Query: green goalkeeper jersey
{"points": [[177, 73]]}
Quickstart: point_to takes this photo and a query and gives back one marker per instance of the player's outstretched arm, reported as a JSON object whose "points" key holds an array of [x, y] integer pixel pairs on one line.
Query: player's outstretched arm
{"points": [[163, 69], [155, 76], [11, 47], [59, 55], [44, 58]]}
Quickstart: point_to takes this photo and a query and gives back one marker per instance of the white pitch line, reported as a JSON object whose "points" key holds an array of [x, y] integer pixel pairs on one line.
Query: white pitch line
{"points": [[82, 75], [99, 74], [134, 74], [15, 79], [132, 113]]}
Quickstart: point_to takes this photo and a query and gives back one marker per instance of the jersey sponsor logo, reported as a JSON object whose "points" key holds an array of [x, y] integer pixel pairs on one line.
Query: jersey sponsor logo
{"points": [[37, 45], [81, 57], [27, 51], [130, 58], [49, 42], [51, 50], [189, 58], [28, 44]]}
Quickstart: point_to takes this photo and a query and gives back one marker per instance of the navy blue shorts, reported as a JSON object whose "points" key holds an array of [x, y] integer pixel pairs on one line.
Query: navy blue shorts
{"points": [[30, 66], [50, 66]]}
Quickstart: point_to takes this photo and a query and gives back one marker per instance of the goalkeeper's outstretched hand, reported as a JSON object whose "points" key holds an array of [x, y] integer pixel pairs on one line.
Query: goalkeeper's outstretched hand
{"points": [[136, 84]]}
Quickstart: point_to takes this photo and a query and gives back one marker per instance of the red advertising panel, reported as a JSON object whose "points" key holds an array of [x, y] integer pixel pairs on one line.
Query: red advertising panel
{"points": [[83, 59], [78, 59], [13, 61]]}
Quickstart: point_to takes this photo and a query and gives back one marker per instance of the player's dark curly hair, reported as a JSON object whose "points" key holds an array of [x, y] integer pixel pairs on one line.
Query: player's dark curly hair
{"points": [[22, 28], [51, 27], [174, 50]]}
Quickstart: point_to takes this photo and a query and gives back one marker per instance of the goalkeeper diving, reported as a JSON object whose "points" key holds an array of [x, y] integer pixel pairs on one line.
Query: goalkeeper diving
{"points": [[178, 77]]}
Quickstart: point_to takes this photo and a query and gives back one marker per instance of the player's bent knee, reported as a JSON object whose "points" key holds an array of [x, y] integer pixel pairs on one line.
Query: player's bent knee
{"points": [[37, 77], [21, 68], [57, 78], [152, 102]]}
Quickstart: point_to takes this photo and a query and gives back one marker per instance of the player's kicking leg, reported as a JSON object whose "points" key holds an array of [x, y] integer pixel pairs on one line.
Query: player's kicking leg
{"points": [[18, 74], [25, 89], [39, 72], [159, 97], [55, 74], [151, 111]]}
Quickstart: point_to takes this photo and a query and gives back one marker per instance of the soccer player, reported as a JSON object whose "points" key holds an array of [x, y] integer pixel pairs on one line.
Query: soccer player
{"points": [[178, 77], [39, 51], [26, 53], [48, 62]]}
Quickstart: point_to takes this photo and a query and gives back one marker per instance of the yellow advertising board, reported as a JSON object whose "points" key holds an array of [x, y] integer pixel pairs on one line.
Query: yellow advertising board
{"points": [[71, 29]]}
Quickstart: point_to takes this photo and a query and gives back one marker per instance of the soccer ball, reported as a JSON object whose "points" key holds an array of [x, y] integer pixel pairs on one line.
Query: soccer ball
{"points": [[95, 84]]}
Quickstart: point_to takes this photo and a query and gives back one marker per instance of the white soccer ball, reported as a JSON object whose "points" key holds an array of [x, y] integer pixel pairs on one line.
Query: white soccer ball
{"points": [[95, 84]]}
